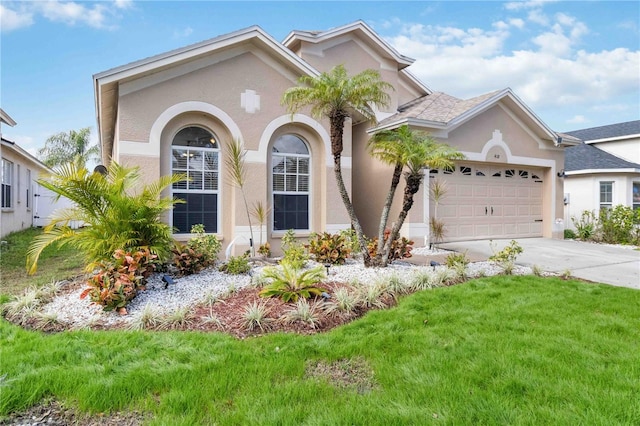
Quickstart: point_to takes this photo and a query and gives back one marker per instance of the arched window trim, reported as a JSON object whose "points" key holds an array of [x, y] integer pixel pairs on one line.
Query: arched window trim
{"points": [[218, 186], [308, 192]]}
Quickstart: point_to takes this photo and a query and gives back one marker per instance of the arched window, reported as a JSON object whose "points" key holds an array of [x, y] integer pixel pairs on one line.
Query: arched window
{"points": [[195, 153], [290, 164]]}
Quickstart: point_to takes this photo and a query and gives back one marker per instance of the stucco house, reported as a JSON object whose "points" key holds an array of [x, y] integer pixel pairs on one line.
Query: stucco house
{"points": [[170, 112], [20, 170], [604, 170]]}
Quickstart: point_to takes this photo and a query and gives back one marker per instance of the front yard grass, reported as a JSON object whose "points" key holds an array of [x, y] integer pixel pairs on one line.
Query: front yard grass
{"points": [[55, 263], [500, 350]]}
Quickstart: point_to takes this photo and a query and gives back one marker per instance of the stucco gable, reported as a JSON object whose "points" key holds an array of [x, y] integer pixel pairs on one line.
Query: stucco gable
{"points": [[358, 29], [107, 84], [444, 112]]}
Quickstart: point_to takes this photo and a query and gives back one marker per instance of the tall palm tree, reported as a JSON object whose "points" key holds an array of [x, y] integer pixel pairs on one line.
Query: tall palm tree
{"points": [[411, 150], [337, 96], [63, 147]]}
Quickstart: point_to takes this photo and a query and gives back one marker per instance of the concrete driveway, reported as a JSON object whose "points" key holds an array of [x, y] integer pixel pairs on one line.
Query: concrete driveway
{"points": [[617, 266]]}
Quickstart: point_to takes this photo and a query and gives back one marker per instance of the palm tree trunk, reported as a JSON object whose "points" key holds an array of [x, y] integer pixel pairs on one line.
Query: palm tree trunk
{"points": [[384, 218], [413, 181], [337, 128]]}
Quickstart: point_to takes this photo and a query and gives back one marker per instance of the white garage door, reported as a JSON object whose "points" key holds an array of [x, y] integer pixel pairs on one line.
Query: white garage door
{"points": [[484, 202]]}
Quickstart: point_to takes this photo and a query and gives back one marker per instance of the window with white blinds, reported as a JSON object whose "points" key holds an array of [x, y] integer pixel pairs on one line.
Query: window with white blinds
{"points": [[290, 167], [195, 153]]}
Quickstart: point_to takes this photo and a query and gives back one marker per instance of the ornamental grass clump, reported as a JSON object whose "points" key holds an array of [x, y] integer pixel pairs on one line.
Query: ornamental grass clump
{"points": [[255, 316], [304, 312], [290, 283]]}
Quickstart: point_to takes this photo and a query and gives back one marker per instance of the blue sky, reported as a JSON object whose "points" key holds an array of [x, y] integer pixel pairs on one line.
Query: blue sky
{"points": [[575, 63]]}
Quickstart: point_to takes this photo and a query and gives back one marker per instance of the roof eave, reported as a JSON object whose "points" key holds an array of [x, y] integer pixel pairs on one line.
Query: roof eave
{"points": [[6, 118], [601, 171], [295, 36]]}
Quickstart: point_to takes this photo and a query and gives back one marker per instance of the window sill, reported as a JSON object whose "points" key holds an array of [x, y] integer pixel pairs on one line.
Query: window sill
{"points": [[299, 234], [187, 237], [8, 210]]}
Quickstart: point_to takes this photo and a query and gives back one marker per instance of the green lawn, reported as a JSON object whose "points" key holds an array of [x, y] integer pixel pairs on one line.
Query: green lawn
{"points": [[55, 263], [502, 350]]}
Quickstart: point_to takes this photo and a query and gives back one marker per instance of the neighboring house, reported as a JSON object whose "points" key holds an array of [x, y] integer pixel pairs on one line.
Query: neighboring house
{"points": [[604, 170], [20, 170], [169, 114]]}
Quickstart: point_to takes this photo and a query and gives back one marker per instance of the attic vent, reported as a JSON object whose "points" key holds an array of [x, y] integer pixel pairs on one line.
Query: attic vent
{"points": [[250, 101]]}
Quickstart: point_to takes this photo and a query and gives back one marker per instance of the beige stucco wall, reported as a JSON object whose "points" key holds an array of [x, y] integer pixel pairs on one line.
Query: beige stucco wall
{"points": [[355, 58], [19, 216], [151, 112]]}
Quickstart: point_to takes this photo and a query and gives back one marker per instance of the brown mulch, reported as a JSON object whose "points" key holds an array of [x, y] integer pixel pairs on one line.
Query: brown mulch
{"points": [[230, 313]]}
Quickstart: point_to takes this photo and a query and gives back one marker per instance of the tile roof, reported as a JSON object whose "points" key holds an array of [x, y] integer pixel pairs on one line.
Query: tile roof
{"points": [[437, 107], [607, 132], [588, 157]]}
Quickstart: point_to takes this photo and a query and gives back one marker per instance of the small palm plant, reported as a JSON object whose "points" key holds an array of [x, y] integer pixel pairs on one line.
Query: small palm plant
{"points": [[290, 283], [118, 213]]}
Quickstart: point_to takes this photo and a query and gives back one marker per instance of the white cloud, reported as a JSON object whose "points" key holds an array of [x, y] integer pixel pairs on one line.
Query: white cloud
{"points": [[577, 119], [468, 62], [533, 4], [185, 32], [516, 22], [97, 15], [13, 19]]}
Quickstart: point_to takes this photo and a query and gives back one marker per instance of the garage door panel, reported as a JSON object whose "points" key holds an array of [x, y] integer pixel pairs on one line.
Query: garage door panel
{"points": [[474, 191]]}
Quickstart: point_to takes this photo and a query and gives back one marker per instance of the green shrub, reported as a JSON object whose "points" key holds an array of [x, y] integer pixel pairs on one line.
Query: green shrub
{"points": [[454, 259], [400, 248], [569, 234], [208, 245], [237, 265], [294, 251], [506, 257], [290, 283], [187, 260], [118, 281], [329, 248], [351, 240], [617, 224], [585, 226]]}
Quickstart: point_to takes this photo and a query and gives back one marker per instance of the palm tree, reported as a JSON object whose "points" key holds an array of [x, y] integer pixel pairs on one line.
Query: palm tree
{"points": [[413, 150], [64, 147], [234, 160], [337, 96], [114, 215]]}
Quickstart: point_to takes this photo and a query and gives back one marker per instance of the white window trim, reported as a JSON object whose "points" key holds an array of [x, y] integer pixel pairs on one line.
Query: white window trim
{"points": [[606, 204], [7, 180], [299, 232], [218, 191]]}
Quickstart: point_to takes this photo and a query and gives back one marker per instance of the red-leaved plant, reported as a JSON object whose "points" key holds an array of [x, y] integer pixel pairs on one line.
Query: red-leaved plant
{"points": [[118, 281]]}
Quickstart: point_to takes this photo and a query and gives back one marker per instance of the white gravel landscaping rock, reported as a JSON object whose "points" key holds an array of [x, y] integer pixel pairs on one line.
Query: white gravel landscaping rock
{"points": [[196, 289]]}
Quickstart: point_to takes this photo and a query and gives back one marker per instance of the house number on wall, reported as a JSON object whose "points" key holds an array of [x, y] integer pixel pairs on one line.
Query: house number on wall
{"points": [[496, 156]]}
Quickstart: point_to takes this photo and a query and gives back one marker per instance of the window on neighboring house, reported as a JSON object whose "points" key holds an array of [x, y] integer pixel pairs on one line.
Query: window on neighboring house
{"points": [[635, 195], [28, 188], [290, 173], [195, 153], [7, 182], [606, 195], [19, 184]]}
